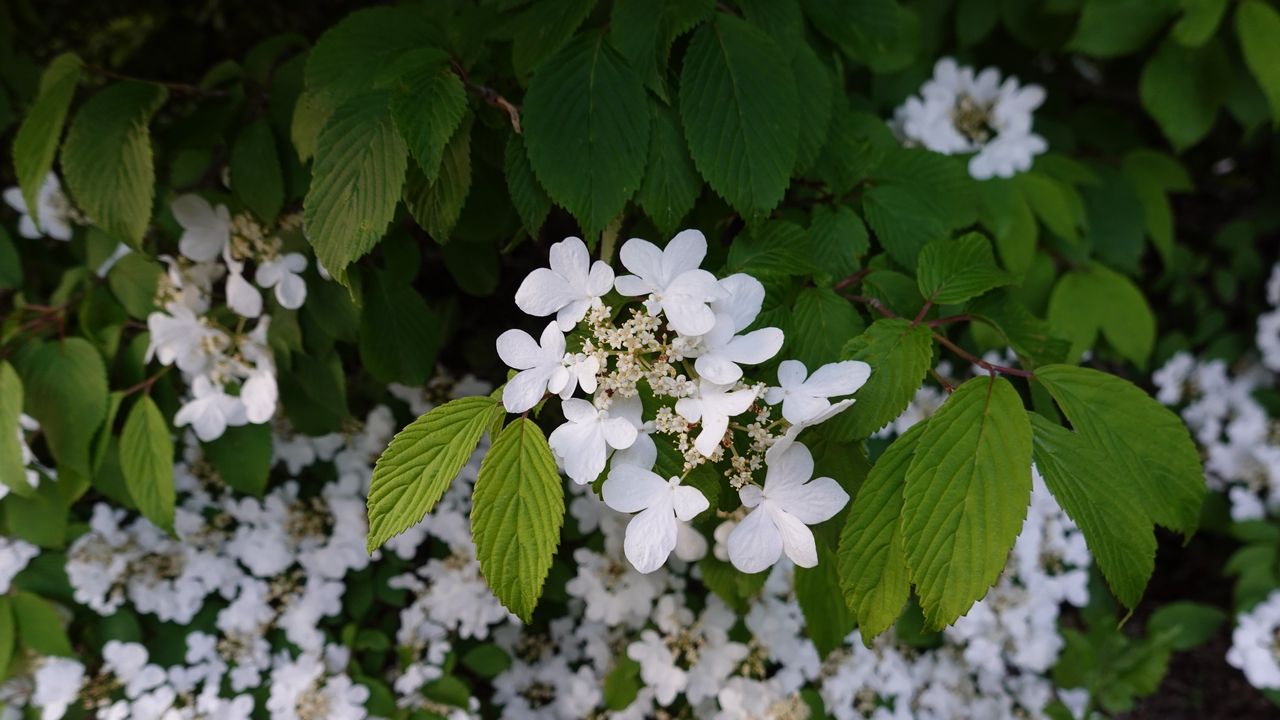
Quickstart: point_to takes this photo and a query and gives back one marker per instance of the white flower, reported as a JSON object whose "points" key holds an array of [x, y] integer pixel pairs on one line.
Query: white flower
{"points": [[205, 230], [781, 444], [1253, 644], [14, 556], [242, 296], [57, 685], [180, 337], [259, 393], [568, 287], [713, 404], [210, 410], [958, 112], [284, 274], [643, 453], [789, 502], [543, 366], [583, 442], [670, 276], [652, 534], [53, 211], [804, 399]]}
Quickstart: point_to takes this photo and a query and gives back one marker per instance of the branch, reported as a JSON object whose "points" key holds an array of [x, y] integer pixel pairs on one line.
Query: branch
{"points": [[173, 87], [490, 96]]}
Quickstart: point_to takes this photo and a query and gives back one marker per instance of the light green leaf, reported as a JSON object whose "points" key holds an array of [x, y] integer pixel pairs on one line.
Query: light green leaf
{"points": [[436, 203], [1028, 335], [873, 563], [1111, 28], [107, 158], [133, 280], [839, 240], [821, 323], [739, 106], [242, 457], [399, 335], [356, 180], [899, 355], [420, 463], [827, 619], [1007, 215], [903, 221], [966, 496], [1258, 25], [671, 183], [777, 247], [517, 510], [428, 103], [66, 392], [146, 458], [528, 197], [1199, 21], [8, 636], [1140, 438], [1105, 505], [1183, 89], [37, 138], [1194, 623], [953, 270], [1098, 298], [40, 626], [586, 125], [256, 177], [12, 467], [1056, 203]]}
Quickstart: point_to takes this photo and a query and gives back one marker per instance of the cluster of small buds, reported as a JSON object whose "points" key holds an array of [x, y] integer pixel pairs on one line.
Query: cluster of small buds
{"points": [[664, 364]]}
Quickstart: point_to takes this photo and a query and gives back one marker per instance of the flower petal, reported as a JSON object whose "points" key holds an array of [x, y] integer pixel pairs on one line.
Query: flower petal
{"points": [[542, 293], [685, 252], [688, 502], [797, 538], [799, 407], [836, 379], [643, 453], [582, 449], [291, 291], [518, 350], [744, 300], [526, 389], [717, 368], [642, 258], [650, 538], [619, 433], [789, 469], [570, 259], [813, 502], [755, 347], [243, 297], [791, 373], [755, 543], [600, 280], [631, 489]]}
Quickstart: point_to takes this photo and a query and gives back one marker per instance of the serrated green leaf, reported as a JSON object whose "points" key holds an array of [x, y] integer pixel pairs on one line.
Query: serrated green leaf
{"points": [[242, 457], [1085, 302], [528, 197], [814, 90], [1007, 215], [778, 247], [256, 177], [517, 510], [146, 458], [821, 323], [671, 183], [107, 158], [739, 108], [903, 221], [586, 128], [66, 392], [428, 103], [436, 203], [40, 627], [966, 496], [1055, 203], [857, 142], [12, 467], [36, 141], [953, 270], [399, 335], [1258, 26], [420, 463], [1183, 89], [1106, 506], [1199, 21], [542, 29], [899, 355], [133, 280], [1140, 438], [1111, 28], [356, 180], [839, 240], [1028, 335], [873, 563], [827, 619]]}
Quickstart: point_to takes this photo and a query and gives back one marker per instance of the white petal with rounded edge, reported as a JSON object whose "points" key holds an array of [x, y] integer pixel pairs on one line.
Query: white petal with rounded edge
{"points": [[291, 291], [688, 502], [631, 489], [243, 297], [745, 297], [518, 350], [643, 453], [526, 389], [632, 285], [788, 469], [642, 258], [552, 342], [755, 543], [791, 373], [570, 259], [813, 502], [579, 411], [650, 538], [797, 538], [755, 347], [618, 432], [713, 429], [582, 449], [800, 408], [717, 368], [570, 314], [690, 545], [600, 280], [543, 292], [685, 252], [688, 316], [836, 379]]}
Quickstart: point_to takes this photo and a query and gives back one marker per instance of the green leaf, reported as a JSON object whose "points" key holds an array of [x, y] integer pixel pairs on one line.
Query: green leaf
{"points": [[814, 90], [899, 355], [966, 495], [528, 197], [1055, 203], [1028, 335], [146, 457], [66, 392], [671, 183], [622, 684], [1107, 507], [1199, 21], [242, 457], [740, 109], [356, 179], [1194, 623], [1085, 302], [734, 587], [821, 323], [827, 619], [857, 143], [586, 125], [487, 660], [839, 240], [10, 263], [1258, 25], [40, 627], [256, 176], [1007, 215], [951, 271], [1153, 175], [12, 467], [777, 247], [107, 158], [903, 221], [517, 510], [428, 103], [420, 463], [1140, 438], [9, 636], [1183, 89], [542, 29], [314, 393], [133, 280], [37, 138], [436, 203], [873, 563], [1111, 28], [399, 334]]}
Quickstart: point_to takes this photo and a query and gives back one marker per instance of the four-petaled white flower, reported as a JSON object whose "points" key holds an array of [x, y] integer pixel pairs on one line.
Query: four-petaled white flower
{"points": [[643, 453], [284, 274], [719, 351], [582, 443], [206, 230], [712, 405], [783, 510], [180, 337], [568, 287], [673, 281], [652, 534], [805, 399], [210, 411], [53, 215], [543, 367]]}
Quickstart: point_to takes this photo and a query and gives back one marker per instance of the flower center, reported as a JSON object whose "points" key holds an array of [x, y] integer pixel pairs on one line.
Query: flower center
{"points": [[973, 119]]}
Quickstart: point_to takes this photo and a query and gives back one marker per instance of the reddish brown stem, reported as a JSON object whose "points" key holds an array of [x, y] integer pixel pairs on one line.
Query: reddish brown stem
{"points": [[990, 367]]}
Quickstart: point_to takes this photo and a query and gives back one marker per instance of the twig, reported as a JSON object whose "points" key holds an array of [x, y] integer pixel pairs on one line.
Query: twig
{"points": [[145, 385], [491, 96], [174, 87], [989, 367], [852, 280], [874, 303], [939, 322], [924, 310]]}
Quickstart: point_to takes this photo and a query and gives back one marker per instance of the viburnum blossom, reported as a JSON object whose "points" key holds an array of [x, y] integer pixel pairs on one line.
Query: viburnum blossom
{"points": [[671, 390], [959, 112], [54, 214]]}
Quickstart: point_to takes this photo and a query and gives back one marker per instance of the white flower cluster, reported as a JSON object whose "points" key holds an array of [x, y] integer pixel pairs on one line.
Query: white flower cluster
{"points": [[215, 247], [55, 216], [960, 112], [670, 363]]}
